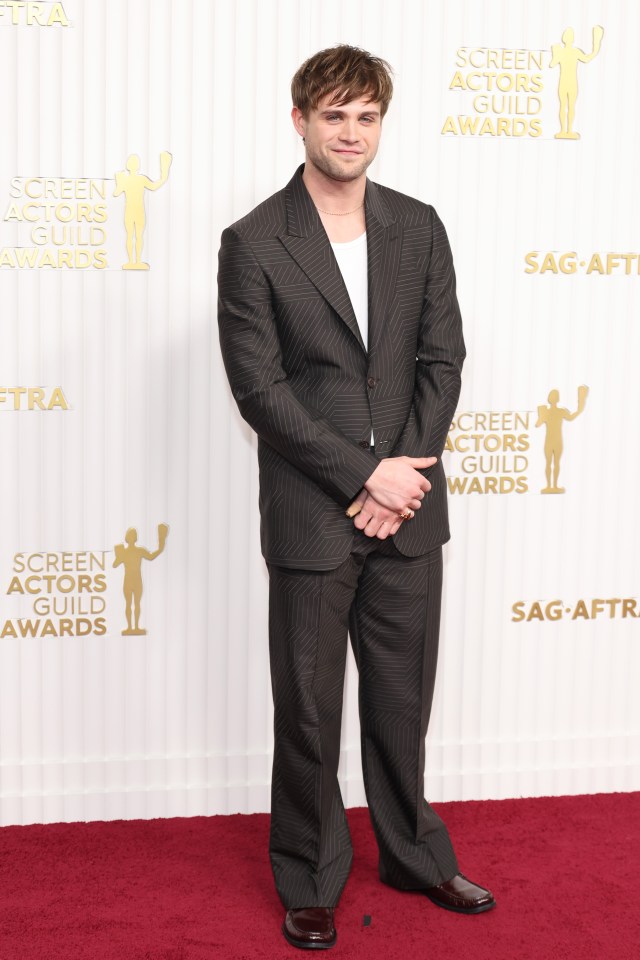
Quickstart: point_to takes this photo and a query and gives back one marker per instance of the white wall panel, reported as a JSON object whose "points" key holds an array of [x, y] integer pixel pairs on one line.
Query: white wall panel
{"points": [[178, 721]]}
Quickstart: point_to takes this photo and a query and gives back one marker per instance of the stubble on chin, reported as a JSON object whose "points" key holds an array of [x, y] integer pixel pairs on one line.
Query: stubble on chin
{"points": [[337, 171]]}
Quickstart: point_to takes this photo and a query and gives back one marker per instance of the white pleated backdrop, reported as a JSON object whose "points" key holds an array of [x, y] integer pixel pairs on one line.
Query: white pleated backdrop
{"points": [[177, 721]]}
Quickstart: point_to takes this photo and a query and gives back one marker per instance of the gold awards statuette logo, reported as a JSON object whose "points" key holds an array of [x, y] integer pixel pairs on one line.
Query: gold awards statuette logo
{"points": [[65, 222], [131, 557], [33, 13], [71, 593], [553, 418], [491, 451], [506, 91], [567, 57], [133, 185]]}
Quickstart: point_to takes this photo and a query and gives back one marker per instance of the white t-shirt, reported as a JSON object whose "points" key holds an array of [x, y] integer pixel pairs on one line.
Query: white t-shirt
{"points": [[352, 260]]}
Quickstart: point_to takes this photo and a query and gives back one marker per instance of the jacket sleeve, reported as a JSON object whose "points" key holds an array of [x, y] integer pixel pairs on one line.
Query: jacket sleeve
{"points": [[440, 353], [253, 361]]}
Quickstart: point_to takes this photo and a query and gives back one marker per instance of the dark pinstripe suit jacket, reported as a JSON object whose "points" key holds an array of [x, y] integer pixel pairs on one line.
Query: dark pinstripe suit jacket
{"points": [[302, 378]]}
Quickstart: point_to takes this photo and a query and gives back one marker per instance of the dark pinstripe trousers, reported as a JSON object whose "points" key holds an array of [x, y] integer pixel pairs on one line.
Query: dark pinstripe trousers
{"points": [[390, 605]]}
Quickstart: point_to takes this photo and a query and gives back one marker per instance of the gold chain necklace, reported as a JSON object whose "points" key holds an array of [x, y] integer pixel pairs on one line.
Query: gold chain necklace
{"points": [[346, 214]]}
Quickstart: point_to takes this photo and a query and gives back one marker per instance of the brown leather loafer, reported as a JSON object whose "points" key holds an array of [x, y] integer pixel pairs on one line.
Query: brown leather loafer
{"points": [[461, 895], [310, 928]]}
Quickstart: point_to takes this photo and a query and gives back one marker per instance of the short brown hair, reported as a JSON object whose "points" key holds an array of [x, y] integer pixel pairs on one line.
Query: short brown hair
{"points": [[348, 71]]}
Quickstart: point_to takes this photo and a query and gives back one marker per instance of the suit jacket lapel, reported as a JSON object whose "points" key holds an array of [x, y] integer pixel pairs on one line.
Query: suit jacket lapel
{"points": [[307, 242], [384, 246]]}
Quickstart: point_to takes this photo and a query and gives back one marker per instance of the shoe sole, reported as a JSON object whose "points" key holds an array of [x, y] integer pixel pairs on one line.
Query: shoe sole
{"points": [[309, 946], [470, 910]]}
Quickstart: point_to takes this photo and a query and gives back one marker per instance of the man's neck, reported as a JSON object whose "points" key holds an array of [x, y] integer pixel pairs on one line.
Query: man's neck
{"points": [[334, 196]]}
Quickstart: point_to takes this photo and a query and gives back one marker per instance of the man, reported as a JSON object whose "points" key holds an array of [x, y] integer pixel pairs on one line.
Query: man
{"points": [[342, 341]]}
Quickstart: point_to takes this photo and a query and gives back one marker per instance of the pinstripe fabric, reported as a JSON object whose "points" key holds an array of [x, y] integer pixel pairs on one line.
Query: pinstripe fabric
{"points": [[301, 377], [394, 626], [309, 844], [392, 606]]}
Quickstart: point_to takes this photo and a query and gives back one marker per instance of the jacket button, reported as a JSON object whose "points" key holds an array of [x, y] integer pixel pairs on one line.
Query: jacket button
{"points": [[363, 443], [371, 382]]}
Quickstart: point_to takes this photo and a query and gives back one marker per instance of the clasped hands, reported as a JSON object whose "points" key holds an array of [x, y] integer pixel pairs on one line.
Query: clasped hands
{"points": [[395, 488]]}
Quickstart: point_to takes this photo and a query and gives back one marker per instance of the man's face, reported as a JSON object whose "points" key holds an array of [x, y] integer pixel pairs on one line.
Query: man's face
{"points": [[341, 141]]}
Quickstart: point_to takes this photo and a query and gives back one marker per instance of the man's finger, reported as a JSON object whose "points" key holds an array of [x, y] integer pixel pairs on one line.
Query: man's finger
{"points": [[356, 505], [362, 520], [371, 529], [421, 463]]}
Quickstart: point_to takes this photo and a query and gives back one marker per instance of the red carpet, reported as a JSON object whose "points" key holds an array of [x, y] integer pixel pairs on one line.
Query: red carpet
{"points": [[562, 869]]}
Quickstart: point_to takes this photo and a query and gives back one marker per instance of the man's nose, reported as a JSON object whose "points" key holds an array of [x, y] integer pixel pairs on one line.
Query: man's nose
{"points": [[349, 130]]}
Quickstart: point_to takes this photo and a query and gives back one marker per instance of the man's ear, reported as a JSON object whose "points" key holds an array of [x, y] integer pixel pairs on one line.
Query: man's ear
{"points": [[298, 121]]}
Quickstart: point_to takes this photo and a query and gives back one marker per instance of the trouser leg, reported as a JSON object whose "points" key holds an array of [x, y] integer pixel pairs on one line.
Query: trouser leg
{"points": [[310, 847], [394, 625]]}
